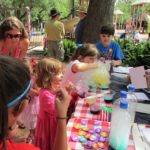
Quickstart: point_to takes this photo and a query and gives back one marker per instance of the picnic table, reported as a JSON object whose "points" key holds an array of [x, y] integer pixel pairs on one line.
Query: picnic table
{"points": [[82, 113], [82, 110]]}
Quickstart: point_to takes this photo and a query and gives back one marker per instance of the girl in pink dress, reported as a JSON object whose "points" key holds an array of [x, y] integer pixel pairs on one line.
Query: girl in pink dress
{"points": [[49, 77], [30, 113]]}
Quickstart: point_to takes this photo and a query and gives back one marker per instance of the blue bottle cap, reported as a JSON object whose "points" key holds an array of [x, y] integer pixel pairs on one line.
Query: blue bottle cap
{"points": [[124, 104], [123, 94], [131, 88]]}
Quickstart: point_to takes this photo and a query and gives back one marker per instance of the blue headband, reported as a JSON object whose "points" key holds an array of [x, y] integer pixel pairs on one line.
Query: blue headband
{"points": [[12, 102]]}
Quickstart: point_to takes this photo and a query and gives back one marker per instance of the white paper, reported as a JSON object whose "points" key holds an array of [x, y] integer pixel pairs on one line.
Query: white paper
{"points": [[137, 76], [146, 133], [141, 96], [121, 69]]}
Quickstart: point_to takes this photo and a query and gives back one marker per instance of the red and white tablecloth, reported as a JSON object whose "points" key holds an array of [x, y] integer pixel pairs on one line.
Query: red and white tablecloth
{"points": [[77, 145], [82, 110]]}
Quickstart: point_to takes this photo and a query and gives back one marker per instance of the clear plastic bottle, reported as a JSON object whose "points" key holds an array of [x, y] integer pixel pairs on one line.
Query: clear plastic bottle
{"points": [[120, 126], [132, 101], [123, 96]]}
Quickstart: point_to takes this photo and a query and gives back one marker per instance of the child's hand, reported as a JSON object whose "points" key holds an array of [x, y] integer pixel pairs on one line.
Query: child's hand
{"points": [[102, 59], [62, 102], [69, 87]]}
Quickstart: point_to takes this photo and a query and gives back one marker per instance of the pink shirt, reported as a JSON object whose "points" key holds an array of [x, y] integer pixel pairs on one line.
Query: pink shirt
{"points": [[70, 76], [15, 54], [47, 124], [47, 103]]}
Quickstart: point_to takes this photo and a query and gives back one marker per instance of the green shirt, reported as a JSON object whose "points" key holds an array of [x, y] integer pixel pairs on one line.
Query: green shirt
{"points": [[55, 30]]}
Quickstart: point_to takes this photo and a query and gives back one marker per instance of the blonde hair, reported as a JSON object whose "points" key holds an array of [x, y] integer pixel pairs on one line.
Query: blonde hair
{"points": [[47, 69]]}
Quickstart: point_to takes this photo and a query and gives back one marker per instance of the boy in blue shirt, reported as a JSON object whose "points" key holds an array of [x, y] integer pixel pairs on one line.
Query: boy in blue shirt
{"points": [[108, 49]]}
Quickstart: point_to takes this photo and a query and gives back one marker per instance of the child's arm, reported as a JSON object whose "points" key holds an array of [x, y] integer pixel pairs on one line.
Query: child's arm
{"points": [[62, 103], [80, 67], [35, 90]]}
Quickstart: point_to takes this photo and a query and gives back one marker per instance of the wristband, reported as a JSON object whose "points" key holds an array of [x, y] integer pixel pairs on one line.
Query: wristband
{"points": [[61, 117]]}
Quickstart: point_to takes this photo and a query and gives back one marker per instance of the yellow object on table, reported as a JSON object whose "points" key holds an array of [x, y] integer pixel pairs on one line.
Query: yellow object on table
{"points": [[100, 76]]}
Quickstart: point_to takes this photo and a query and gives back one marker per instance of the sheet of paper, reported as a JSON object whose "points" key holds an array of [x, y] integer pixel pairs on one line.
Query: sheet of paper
{"points": [[146, 133], [137, 77], [122, 69], [141, 96]]}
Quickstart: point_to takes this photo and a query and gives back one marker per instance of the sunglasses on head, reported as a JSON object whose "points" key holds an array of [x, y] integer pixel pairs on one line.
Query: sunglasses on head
{"points": [[10, 36]]}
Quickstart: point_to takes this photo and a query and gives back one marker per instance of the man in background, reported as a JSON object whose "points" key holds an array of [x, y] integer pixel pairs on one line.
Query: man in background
{"points": [[55, 33], [82, 13]]}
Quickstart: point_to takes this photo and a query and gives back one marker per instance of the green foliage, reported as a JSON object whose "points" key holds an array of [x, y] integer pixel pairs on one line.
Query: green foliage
{"points": [[69, 47], [148, 8], [135, 54], [125, 7], [39, 9]]}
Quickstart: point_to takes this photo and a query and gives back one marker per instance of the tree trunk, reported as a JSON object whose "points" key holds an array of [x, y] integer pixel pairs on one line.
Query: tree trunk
{"points": [[100, 12]]}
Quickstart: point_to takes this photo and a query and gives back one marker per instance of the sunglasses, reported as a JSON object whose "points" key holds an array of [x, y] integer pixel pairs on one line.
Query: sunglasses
{"points": [[11, 36]]}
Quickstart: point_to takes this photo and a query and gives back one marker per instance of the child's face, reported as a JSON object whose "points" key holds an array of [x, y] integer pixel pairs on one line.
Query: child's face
{"points": [[89, 59], [105, 39], [57, 80]]}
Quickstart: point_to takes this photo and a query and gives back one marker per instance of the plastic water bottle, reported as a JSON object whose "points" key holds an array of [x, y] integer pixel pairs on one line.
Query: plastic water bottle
{"points": [[120, 126], [123, 96], [132, 101]]}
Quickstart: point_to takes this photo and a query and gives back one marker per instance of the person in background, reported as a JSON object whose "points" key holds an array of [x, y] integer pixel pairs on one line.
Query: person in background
{"points": [[13, 73], [82, 13], [14, 40], [55, 33], [30, 113], [108, 49]]}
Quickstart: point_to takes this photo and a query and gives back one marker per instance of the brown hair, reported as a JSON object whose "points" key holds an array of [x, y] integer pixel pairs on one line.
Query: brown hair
{"points": [[15, 78], [84, 51], [11, 23], [47, 69]]}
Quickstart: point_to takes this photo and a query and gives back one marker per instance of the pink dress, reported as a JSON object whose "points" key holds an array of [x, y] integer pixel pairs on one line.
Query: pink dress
{"points": [[16, 53], [29, 115], [46, 126]]}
